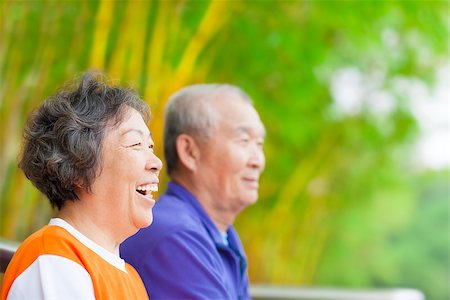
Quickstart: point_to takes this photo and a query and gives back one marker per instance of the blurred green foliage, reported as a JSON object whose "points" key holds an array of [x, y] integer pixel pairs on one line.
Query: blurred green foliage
{"points": [[341, 202]]}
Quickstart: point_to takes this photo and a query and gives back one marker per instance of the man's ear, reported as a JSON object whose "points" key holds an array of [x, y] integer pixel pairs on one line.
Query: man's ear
{"points": [[188, 151]]}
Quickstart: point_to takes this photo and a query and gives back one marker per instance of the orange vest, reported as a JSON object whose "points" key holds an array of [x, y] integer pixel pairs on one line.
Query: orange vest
{"points": [[56, 244]]}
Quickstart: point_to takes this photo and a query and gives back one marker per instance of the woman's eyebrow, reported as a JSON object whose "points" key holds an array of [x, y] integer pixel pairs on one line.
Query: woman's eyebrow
{"points": [[140, 132]]}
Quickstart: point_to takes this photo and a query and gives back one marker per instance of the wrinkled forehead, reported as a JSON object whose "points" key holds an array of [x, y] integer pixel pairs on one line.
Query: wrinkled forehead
{"points": [[234, 111], [126, 119], [122, 115]]}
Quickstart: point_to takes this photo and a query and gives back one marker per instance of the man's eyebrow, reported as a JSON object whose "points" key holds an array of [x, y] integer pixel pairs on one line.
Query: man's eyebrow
{"points": [[249, 130]]}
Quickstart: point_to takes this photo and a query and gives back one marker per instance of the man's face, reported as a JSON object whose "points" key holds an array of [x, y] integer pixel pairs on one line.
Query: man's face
{"points": [[232, 160]]}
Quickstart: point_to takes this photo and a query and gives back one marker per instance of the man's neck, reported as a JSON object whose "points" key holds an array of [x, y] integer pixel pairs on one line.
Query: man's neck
{"points": [[221, 218]]}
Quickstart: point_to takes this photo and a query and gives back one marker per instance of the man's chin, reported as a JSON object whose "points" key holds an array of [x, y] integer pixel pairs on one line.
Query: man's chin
{"points": [[251, 198]]}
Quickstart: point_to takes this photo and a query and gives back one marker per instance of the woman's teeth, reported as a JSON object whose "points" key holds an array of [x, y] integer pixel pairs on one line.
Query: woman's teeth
{"points": [[147, 189]]}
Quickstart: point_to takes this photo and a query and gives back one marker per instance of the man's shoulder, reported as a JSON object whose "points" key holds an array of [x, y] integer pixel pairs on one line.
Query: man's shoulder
{"points": [[171, 216], [171, 212]]}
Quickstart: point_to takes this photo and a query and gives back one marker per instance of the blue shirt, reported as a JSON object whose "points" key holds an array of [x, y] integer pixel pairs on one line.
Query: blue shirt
{"points": [[183, 255]]}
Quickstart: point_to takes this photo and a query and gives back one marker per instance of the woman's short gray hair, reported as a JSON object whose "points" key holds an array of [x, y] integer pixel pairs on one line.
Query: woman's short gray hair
{"points": [[63, 137], [190, 111]]}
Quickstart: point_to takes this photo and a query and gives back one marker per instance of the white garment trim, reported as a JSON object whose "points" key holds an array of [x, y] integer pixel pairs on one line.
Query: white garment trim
{"points": [[111, 258], [224, 235]]}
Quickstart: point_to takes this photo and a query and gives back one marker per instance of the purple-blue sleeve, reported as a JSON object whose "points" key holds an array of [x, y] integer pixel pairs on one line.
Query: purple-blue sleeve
{"points": [[183, 265]]}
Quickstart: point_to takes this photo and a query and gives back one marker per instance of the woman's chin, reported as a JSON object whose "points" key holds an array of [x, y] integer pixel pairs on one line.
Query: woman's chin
{"points": [[147, 222]]}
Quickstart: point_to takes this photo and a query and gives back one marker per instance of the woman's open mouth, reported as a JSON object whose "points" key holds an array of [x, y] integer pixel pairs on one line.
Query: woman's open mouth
{"points": [[147, 189]]}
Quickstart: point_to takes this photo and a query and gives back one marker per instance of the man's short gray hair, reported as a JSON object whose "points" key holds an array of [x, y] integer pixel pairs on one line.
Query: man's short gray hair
{"points": [[190, 111]]}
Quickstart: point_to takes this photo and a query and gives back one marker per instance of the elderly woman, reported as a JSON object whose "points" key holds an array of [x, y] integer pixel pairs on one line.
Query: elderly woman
{"points": [[90, 152]]}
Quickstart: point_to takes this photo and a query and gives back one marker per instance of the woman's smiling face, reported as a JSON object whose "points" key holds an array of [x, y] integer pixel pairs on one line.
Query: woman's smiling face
{"points": [[129, 174]]}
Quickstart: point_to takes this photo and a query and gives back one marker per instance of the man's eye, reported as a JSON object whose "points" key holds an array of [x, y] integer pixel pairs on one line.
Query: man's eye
{"points": [[136, 145]]}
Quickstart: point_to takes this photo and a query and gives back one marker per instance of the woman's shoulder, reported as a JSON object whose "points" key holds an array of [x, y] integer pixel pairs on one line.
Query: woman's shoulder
{"points": [[49, 240], [44, 239]]}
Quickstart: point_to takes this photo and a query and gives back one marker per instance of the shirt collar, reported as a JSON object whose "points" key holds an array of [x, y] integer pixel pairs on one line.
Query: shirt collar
{"points": [[110, 257], [180, 192]]}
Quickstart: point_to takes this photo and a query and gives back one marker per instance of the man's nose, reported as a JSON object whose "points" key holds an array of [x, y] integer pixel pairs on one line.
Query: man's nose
{"points": [[257, 159]]}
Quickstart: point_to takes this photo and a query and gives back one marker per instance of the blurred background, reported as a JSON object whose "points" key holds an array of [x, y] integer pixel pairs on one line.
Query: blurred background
{"points": [[354, 95]]}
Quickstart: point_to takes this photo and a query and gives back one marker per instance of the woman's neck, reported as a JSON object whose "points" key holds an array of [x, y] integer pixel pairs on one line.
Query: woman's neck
{"points": [[90, 225]]}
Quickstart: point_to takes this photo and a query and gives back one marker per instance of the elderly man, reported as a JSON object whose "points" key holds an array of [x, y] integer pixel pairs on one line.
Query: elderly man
{"points": [[213, 142]]}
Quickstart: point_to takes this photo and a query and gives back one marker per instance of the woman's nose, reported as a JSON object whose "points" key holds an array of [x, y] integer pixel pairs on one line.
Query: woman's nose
{"points": [[154, 163]]}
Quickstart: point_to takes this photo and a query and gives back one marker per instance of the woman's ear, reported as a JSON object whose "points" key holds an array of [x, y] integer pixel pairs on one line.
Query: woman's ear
{"points": [[188, 151]]}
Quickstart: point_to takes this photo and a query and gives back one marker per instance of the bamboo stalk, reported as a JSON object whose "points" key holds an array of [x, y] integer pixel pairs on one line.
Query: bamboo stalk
{"points": [[103, 23]]}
